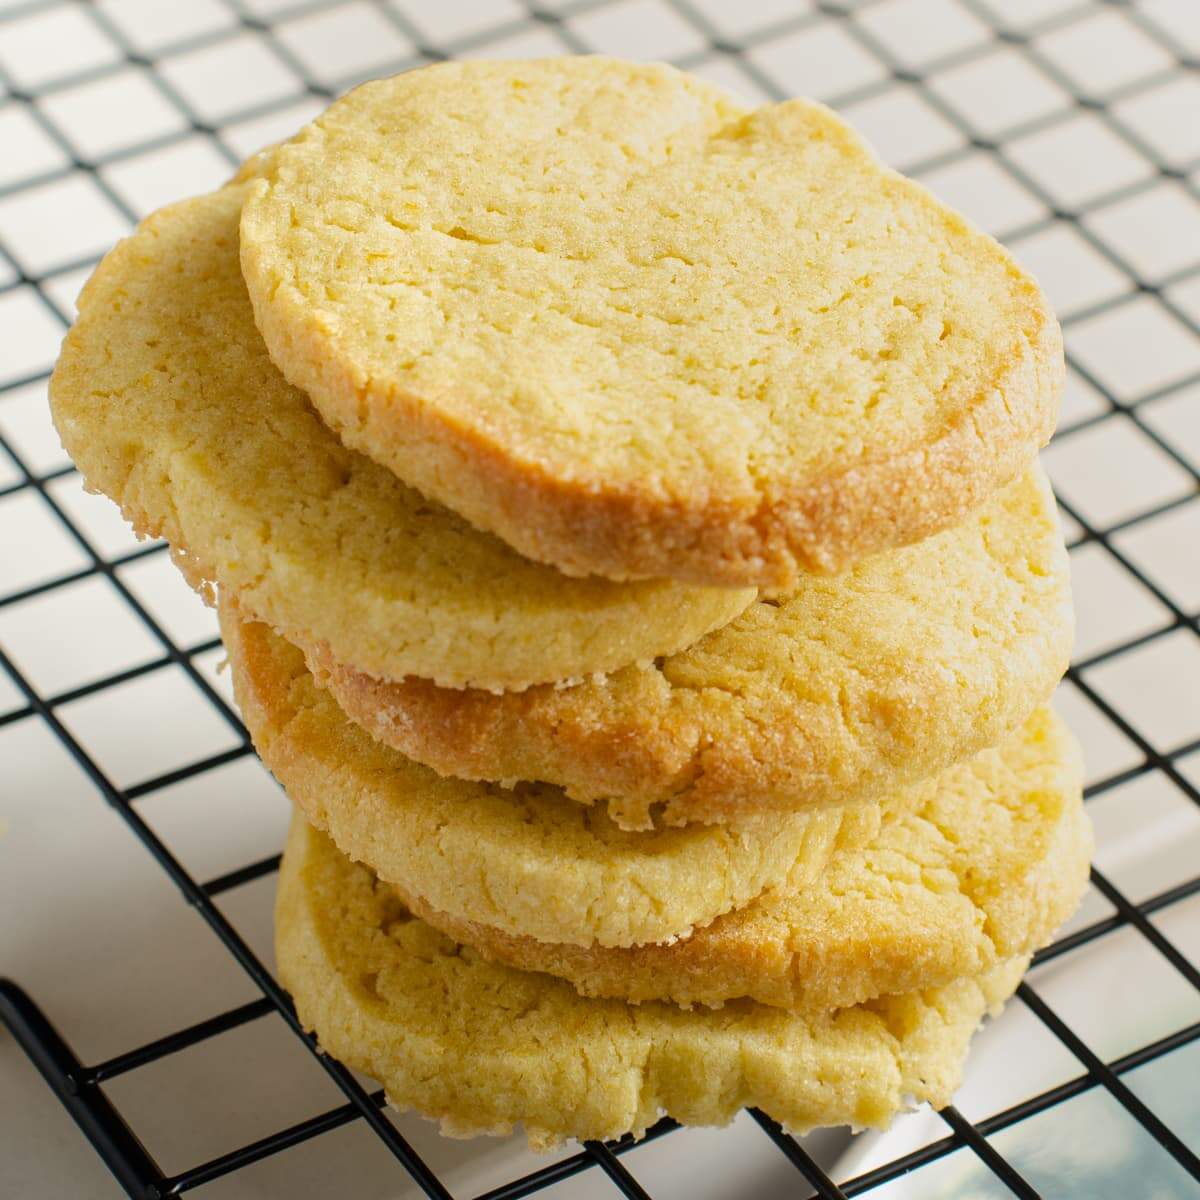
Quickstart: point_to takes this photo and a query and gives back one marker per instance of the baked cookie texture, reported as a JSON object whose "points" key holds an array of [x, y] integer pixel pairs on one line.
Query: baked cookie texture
{"points": [[980, 866], [855, 685], [482, 1048], [167, 400], [527, 861], [603, 311]]}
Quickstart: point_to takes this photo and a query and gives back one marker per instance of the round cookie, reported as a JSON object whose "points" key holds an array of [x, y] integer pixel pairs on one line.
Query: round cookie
{"points": [[482, 1048], [167, 400], [854, 686], [527, 861], [979, 867], [635, 329]]}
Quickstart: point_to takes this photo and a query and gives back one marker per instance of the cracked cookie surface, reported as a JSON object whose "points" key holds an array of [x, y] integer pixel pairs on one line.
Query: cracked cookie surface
{"points": [[974, 867], [635, 329], [167, 400], [855, 685], [484, 1048], [527, 860]]}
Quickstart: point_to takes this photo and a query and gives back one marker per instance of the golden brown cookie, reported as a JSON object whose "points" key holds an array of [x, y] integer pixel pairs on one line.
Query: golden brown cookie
{"points": [[165, 397], [856, 685], [979, 866], [603, 311], [482, 1048], [528, 860]]}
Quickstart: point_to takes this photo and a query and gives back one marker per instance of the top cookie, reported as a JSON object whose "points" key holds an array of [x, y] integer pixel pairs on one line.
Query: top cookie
{"points": [[167, 400], [604, 312]]}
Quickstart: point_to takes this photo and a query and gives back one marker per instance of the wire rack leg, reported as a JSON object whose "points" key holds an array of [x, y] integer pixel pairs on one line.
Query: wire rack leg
{"points": [[114, 1141]]}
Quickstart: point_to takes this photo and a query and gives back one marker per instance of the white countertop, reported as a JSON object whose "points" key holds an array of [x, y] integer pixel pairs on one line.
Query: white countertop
{"points": [[98, 935]]}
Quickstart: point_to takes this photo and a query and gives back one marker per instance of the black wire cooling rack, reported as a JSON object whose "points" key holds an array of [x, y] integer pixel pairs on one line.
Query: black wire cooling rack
{"points": [[81, 1086]]}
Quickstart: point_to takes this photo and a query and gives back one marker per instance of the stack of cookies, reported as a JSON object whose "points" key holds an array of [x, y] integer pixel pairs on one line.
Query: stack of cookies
{"points": [[623, 513]]}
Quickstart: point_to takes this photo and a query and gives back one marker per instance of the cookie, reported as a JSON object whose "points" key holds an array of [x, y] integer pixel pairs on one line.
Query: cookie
{"points": [[979, 867], [527, 861], [482, 1048], [167, 400], [854, 686], [635, 329]]}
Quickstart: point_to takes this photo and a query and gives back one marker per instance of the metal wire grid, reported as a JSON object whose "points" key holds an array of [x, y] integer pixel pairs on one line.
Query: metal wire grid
{"points": [[80, 1086]]}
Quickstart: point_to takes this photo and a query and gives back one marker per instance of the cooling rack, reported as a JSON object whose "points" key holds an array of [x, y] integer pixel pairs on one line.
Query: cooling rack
{"points": [[1070, 130]]}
